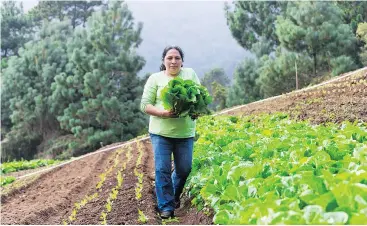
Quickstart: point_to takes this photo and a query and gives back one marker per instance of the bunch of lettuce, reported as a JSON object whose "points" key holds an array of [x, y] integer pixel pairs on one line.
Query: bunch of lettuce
{"points": [[186, 98]]}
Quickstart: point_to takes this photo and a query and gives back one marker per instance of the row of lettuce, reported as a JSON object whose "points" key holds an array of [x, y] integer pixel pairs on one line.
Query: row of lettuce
{"points": [[269, 169], [15, 166]]}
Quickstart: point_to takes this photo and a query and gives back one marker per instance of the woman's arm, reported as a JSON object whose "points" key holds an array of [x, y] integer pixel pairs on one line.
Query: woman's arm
{"points": [[151, 110], [149, 97]]}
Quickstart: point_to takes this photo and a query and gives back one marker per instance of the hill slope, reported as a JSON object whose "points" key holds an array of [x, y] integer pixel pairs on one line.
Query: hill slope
{"points": [[113, 187]]}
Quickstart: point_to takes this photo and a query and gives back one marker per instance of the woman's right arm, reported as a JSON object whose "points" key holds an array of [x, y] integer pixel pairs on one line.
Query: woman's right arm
{"points": [[149, 98], [151, 110]]}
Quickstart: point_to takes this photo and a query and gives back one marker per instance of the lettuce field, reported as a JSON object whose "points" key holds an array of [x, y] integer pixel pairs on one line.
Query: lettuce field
{"points": [[272, 170]]}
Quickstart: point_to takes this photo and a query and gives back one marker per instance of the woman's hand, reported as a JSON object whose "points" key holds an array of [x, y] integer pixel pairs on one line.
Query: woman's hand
{"points": [[167, 114], [152, 110], [194, 117]]}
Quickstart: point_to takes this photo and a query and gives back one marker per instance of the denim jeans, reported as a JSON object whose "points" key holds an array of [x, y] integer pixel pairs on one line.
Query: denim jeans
{"points": [[169, 185]]}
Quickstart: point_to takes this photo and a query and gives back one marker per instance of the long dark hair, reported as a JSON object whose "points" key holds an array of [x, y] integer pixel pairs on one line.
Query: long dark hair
{"points": [[168, 48]]}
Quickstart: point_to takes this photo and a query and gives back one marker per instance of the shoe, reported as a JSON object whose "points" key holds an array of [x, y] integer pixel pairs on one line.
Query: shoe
{"points": [[166, 214], [177, 204]]}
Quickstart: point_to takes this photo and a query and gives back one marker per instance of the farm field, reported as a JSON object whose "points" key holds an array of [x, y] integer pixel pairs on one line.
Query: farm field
{"points": [[337, 101], [268, 169], [117, 187]]}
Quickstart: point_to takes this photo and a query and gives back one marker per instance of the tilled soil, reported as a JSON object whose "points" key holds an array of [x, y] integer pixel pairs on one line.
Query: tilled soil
{"points": [[51, 199], [342, 100], [56, 191]]}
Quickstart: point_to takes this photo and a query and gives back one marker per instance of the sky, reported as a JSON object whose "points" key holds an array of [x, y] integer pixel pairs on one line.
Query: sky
{"points": [[197, 25], [28, 4]]}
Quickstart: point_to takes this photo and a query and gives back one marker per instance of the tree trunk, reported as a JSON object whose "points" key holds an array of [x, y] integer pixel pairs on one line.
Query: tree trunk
{"points": [[295, 64], [74, 17], [314, 64]]}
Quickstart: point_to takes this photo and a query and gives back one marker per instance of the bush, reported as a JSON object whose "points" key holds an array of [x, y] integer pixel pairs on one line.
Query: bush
{"points": [[342, 64]]}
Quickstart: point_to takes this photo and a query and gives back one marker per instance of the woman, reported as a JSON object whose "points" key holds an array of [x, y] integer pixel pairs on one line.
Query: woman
{"points": [[169, 134]]}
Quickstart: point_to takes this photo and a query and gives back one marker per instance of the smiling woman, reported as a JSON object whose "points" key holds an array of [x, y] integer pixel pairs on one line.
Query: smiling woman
{"points": [[169, 134], [172, 58]]}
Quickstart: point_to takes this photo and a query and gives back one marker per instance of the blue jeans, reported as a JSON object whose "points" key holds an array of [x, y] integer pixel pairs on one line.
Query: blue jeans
{"points": [[169, 185]]}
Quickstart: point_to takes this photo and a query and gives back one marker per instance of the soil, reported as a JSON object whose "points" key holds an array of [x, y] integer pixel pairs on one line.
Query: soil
{"points": [[342, 100], [51, 198]]}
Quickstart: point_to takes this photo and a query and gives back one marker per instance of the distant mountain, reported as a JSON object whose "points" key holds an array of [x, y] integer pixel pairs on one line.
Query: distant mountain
{"points": [[198, 27]]}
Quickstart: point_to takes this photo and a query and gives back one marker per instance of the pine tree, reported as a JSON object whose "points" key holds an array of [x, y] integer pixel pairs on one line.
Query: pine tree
{"points": [[277, 74], [316, 28], [244, 89], [76, 11], [102, 94], [252, 22], [362, 36], [15, 28], [221, 80], [219, 95], [26, 90]]}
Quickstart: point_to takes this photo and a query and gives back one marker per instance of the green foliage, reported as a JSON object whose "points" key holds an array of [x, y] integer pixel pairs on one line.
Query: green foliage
{"points": [[219, 95], [6, 180], [216, 82], [26, 89], [362, 35], [99, 97], [186, 98], [252, 22], [20, 144], [15, 28], [215, 75], [74, 82], [342, 64], [354, 12], [316, 28], [269, 169], [244, 89], [8, 167], [278, 74], [76, 11], [142, 218]]}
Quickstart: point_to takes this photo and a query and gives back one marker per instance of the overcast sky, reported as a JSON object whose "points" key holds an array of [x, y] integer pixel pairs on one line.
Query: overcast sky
{"points": [[193, 25]]}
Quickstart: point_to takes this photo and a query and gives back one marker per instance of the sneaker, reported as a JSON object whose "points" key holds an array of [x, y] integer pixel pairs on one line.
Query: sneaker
{"points": [[165, 214]]}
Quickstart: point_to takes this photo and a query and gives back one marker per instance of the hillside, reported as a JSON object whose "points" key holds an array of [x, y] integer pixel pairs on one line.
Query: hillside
{"points": [[336, 100], [115, 185]]}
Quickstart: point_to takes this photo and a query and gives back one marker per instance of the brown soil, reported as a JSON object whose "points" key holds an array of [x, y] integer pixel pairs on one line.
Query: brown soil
{"points": [[51, 198], [344, 99]]}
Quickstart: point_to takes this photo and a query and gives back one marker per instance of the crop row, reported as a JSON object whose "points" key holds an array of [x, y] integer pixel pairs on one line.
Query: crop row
{"points": [[8, 167], [272, 170], [139, 185], [88, 198], [114, 192]]}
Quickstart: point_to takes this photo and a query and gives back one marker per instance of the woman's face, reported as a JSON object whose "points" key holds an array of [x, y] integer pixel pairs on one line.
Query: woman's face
{"points": [[172, 61]]}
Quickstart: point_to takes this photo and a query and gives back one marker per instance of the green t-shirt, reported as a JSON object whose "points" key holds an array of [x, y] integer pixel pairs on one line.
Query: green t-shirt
{"points": [[168, 127]]}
